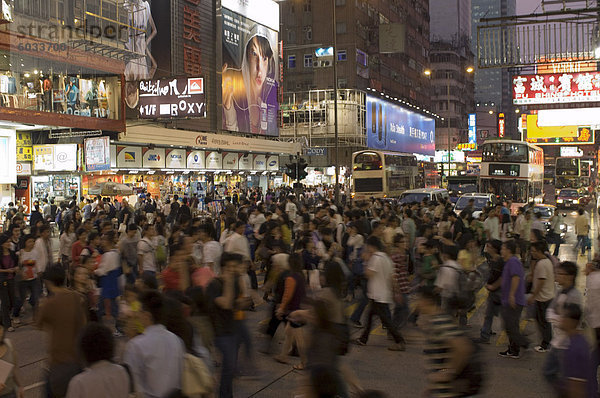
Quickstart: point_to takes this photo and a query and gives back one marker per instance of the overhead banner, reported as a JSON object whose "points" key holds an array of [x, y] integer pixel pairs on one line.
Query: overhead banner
{"points": [[246, 162], [260, 162], [154, 158], [394, 128], [250, 66], [172, 98], [214, 160], [97, 153], [230, 161], [196, 160], [273, 163], [556, 88], [61, 157], [176, 159], [129, 156]]}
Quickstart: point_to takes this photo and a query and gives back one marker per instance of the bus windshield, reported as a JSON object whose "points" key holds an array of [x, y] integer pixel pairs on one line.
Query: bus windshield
{"points": [[567, 167], [367, 161], [505, 152], [515, 190]]}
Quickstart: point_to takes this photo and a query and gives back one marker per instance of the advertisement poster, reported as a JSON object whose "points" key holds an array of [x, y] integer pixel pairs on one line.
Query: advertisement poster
{"points": [[214, 160], [250, 69], [129, 156], [175, 159], [55, 157], [230, 161], [195, 160], [394, 128], [172, 98], [154, 158], [97, 154], [246, 161], [273, 163], [93, 99], [260, 162]]}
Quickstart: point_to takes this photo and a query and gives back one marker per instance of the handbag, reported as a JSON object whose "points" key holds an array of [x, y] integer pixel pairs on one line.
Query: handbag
{"points": [[196, 378]]}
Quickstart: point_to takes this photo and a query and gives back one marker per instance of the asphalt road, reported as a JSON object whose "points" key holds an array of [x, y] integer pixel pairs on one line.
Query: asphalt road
{"points": [[399, 374]]}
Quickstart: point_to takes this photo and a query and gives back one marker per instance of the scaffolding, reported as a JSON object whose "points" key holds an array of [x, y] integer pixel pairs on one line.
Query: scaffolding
{"points": [[311, 115], [560, 35]]}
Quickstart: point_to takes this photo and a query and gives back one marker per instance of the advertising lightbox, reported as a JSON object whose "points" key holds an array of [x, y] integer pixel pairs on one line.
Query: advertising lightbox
{"points": [[8, 151], [394, 128], [172, 98], [556, 88], [60, 157], [250, 66]]}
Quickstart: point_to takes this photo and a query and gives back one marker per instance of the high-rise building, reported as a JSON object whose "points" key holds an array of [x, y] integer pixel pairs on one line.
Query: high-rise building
{"points": [[450, 57], [492, 86], [382, 47], [449, 19]]}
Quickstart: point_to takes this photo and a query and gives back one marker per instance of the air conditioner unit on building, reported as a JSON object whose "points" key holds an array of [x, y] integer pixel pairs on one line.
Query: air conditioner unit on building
{"points": [[316, 64]]}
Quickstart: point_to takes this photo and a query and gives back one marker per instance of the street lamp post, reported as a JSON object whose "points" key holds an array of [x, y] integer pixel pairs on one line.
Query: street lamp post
{"points": [[335, 111]]}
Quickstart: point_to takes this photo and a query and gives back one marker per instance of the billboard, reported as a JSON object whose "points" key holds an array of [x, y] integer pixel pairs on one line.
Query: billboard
{"points": [[556, 88], [557, 135], [472, 129], [557, 117], [394, 128], [172, 98], [97, 153], [250, 66], [59, 157]]}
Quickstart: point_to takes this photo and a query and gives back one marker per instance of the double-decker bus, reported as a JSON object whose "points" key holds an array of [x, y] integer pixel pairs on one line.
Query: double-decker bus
{"points": [[572, 172], [512, 170], [429, 176], [380, 174]]}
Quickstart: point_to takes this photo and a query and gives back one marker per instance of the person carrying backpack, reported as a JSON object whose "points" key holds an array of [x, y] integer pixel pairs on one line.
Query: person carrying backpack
{"points": [[453, 361]]}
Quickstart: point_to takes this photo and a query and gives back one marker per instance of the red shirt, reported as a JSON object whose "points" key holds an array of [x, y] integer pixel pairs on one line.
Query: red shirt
{"points": [[76, 250]]}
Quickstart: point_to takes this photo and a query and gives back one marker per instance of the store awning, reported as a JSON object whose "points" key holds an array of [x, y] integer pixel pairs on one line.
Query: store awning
{"points": [[145, 134]]}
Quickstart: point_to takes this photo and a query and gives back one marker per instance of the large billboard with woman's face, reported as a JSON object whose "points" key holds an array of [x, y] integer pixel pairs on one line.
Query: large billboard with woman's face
{"points": [[250, 64]]}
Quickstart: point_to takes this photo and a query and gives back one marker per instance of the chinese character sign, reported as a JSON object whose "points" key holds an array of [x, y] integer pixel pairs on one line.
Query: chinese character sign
{"points": [[472, 129], [249, 76], [394, 128], [556, 88]]}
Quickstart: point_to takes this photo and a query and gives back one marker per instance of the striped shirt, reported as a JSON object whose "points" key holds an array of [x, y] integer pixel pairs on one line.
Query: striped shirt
{"points": [[400, 284], [441, 328]]}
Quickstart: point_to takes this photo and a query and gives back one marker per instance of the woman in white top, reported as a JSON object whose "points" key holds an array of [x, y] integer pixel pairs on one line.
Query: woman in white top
{"points": [[66, 241]]}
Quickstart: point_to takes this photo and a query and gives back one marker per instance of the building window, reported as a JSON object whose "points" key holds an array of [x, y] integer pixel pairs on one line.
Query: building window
{"points": [[291, 36], [291, 61], [308, 33], [307, 6], [308, 60], [342, 83], [362, 58], [340, 28], [342, 56]]}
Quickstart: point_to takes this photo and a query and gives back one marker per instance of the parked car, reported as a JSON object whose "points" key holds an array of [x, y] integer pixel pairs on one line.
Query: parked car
{"points": [[417, 195], [481, 201]]}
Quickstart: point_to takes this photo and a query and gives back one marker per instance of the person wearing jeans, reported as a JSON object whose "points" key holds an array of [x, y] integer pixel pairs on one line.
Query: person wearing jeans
{"points": [[582, 229], [379, 291], [493, 303], [513, 299], [543, 291], [109, 271], [8, 267], [222, 294]]}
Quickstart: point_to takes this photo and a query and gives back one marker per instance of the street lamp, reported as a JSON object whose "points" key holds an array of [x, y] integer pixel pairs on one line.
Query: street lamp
{"points": [[427, 72]]}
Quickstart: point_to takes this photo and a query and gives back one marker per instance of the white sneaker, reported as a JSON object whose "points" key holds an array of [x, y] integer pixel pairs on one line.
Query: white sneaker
{"points": [[16, 321], [539, 348]]}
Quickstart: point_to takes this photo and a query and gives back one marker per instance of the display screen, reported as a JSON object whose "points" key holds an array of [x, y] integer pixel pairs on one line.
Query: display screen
{"points": [[505, 170]]}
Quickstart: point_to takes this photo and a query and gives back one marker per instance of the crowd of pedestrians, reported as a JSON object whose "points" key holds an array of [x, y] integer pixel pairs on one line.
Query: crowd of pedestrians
{"points": [[176, 289]]}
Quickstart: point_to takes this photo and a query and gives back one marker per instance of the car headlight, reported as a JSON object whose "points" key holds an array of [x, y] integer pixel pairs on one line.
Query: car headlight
{"points": [[559, 201], [575, 200]]}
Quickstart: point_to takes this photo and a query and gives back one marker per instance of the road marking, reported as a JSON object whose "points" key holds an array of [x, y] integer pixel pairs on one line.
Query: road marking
{"points": [[503, 338], [35, 385]]}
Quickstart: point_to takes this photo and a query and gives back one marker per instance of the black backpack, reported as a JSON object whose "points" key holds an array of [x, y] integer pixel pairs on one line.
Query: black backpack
{"points": [[468, 284]]}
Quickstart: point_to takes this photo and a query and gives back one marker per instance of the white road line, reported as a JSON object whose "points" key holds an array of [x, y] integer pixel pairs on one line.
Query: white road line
{"points": [[35, 385]]}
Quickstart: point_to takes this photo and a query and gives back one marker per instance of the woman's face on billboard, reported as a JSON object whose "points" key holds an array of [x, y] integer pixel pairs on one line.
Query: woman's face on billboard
{"points": [[258, 64]]}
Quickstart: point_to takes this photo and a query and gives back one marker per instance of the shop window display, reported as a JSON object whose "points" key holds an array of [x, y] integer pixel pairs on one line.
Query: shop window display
{"points": [[42, 85]]}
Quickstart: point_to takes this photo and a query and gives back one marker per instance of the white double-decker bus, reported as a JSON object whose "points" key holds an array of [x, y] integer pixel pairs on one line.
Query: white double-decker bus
{"points": [[377, 174], [512, 170]]}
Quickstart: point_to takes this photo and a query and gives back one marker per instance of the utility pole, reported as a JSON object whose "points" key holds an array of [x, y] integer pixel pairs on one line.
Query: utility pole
{"points": [[335, 111]]}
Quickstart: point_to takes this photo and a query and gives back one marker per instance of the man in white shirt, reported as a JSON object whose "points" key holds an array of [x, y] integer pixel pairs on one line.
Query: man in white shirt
{"points": [[211, 249], [237, 242], [491, 225], [538, 224], [291, 209], [147, 252], [543, 292], [379, 291], [43, 250], [155, 358], [446, 281]]}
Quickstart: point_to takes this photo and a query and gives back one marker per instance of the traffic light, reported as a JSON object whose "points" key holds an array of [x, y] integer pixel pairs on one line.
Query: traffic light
{"points": [[302, 173], [290, 170]]}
